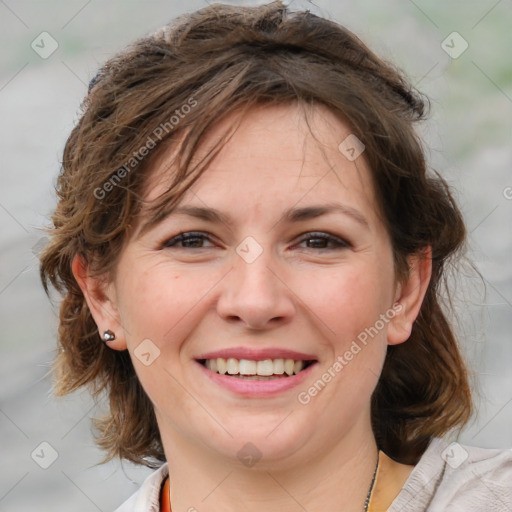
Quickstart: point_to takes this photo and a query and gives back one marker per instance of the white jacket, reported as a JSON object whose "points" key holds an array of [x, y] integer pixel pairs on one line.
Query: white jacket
{"points": [[447, 478]]}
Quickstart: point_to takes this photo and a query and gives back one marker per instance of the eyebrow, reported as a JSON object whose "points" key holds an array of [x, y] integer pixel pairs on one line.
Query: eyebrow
{"points": [[292, 215]]}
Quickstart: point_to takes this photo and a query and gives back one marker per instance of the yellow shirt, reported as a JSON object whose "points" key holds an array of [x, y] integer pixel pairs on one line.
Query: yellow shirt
{"points": [[391, 477]]}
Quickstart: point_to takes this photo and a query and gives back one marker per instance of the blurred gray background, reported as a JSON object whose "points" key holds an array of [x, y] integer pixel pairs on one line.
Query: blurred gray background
{"points": [[469, 136]]}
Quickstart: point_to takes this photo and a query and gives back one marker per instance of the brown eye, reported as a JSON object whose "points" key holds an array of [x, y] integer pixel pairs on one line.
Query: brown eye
{"points": [[322, 240], [189, 240]]}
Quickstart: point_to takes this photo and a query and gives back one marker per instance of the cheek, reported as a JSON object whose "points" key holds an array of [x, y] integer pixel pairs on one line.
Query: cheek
{"points": [[145, 298], [349, 300], [159, 303]]}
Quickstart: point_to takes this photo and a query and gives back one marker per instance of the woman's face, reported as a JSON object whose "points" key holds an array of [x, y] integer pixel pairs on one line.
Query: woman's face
{"points": [[299, 267]]}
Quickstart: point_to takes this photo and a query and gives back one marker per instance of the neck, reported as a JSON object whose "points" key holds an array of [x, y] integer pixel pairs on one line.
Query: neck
{"points": [[337, 478]]}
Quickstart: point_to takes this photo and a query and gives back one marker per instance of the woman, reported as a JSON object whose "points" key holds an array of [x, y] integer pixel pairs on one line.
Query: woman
{"points": [[251, 251]]}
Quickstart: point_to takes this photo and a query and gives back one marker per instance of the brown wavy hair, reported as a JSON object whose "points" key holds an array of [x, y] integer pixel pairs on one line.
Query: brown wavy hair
{"points": [[218, 61]]}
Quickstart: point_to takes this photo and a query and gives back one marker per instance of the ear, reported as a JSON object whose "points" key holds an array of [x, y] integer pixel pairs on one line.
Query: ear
{"points": [[409, 296], [101, 300]]}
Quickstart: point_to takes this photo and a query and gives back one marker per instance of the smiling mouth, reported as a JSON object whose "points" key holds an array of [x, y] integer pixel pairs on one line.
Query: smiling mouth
{"points": [[248, 369]]}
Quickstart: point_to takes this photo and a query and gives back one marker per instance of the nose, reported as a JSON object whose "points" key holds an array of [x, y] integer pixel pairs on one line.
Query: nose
{"points": [[255, 295]]}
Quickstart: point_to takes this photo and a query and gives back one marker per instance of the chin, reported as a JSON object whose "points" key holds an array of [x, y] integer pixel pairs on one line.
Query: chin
{"points": [[269, 446]]}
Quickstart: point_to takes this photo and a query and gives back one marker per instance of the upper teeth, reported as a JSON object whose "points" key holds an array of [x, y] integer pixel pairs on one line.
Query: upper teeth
{"points": [[249, 367]]}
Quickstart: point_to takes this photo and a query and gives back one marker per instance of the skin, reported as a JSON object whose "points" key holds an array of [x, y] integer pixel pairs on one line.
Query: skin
{"points": [[296, 295]]}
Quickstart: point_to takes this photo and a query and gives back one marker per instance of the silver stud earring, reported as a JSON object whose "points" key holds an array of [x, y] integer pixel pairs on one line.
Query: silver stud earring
{"points": [[108, 335]]}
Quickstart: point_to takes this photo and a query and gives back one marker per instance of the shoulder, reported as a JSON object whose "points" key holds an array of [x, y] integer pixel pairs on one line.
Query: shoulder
{"points": [[147, 498], [455, 477]]}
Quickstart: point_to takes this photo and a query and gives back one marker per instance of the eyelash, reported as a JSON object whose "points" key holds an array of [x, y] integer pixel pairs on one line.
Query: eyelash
{"points": [[314, 235]]}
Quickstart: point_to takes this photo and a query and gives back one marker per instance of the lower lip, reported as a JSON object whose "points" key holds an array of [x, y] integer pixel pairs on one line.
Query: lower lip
{"points": [[257, 388]]}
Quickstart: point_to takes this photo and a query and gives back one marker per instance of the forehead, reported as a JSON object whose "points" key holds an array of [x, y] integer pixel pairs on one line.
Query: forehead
{"points": [[277, 157]]}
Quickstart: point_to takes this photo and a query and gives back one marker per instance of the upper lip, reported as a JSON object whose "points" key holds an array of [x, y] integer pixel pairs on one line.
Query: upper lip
{"points": [[257, 354]]}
